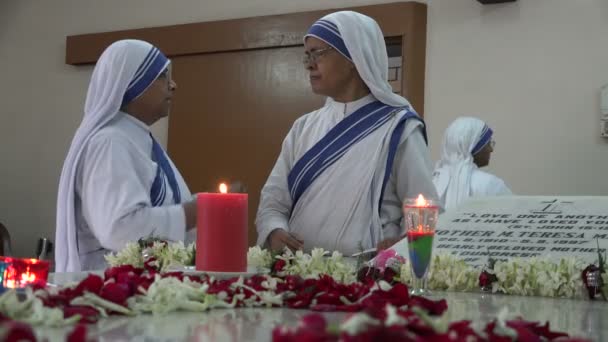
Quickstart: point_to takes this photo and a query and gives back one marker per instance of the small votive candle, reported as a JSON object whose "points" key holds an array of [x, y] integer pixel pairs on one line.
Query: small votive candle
{"points": [[19, 273]]}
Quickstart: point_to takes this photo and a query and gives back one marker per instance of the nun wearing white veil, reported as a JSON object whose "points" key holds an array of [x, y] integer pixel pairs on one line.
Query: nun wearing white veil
{"points": [[117, 184], [344, 169], [467, 145]]}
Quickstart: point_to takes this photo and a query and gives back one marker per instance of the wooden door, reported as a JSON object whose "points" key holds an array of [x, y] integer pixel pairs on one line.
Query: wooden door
{"points": [[231, 113]]}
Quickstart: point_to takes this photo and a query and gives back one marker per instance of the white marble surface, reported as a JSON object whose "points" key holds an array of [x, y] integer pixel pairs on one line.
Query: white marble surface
{"points": [[577, 317]]}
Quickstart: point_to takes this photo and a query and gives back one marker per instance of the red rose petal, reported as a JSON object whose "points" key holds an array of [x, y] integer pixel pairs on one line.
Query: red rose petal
{"points": [[87, 313], [113, 272], [432, 307], [492, 336], [79, 334], [399, 295], [389, 275], [279, 265], [115, 292], [545, 331], [282, 334], [178, 275], [19, 332], [92, 283], [313, 321]]}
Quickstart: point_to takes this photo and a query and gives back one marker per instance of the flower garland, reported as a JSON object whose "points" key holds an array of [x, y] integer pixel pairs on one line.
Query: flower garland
{"points": [[542, 276], [309, 266], [165, 254], [525, 277]]}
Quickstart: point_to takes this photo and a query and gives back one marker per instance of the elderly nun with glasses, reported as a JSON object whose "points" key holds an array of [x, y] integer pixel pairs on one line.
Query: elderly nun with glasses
{"points": [[345, 168], [467, 146], [117, 184]]}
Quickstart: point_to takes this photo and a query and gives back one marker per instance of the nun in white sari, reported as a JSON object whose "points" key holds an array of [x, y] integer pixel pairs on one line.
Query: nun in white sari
{"points": [[467, 145], [117, 184], [345, 169]]}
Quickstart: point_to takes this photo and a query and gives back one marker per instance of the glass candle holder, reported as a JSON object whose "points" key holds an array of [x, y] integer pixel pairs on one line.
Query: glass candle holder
{"points": [[420, 219], [20, 273]]}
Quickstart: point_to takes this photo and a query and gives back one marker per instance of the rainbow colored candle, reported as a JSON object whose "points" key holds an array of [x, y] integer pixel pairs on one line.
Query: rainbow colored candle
{"points": [[420, 218], [420, 246]]}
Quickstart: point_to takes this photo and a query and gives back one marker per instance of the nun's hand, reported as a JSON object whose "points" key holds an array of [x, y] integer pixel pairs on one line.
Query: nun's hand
{"points": [[279, 239], [384, 244]]}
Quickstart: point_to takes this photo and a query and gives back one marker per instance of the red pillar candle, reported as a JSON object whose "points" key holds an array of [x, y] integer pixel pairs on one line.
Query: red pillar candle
{"points": [[221, 241]]}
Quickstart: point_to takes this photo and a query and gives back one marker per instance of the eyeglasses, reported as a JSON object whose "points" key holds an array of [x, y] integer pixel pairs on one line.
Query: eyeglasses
{"points": [[165, 76], [492, 143], [314, 55]]}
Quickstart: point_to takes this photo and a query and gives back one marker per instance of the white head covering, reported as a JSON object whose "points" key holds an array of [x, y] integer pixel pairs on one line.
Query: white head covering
{"points": [[124, 71], [452, 177], [359, 38]]}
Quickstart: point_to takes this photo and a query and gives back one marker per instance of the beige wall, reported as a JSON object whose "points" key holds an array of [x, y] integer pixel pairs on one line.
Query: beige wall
{"points": [[532, 69]]}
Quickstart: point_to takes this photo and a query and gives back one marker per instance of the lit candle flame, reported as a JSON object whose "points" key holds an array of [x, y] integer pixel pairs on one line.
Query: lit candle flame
{"points": [[223, 188], [28, 278], [420, 201]]}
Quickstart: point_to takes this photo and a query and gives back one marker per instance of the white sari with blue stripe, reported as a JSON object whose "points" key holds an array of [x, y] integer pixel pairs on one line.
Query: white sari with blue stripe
{"points": [[348, 199], [456, 176], [105, 196], [122, 194], [339, 210]]}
